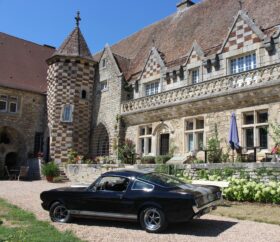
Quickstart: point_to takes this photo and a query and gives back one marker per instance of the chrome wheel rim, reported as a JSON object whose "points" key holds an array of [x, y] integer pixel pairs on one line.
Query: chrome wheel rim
{"points": [[60, 214], [152, 219]]}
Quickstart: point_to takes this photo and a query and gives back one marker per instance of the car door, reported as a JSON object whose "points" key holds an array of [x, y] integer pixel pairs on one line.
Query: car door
{"points": [[109, 195]]}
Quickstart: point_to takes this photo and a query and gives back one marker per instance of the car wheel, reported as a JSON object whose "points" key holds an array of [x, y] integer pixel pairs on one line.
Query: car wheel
{"points": [[59, 213], [153, 220]]}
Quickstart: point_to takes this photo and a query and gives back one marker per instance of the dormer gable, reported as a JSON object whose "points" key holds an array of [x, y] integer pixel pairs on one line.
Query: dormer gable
{"points": [[195, 54], [243, 32], [108, 60], [153, 66]]}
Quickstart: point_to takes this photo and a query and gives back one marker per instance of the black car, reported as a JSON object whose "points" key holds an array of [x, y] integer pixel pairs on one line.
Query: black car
{"points": [[151, 198]]}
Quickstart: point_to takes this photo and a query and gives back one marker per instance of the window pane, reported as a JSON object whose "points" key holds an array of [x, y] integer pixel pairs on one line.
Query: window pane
{"points": [[199, 124], [149, 145], [142, 146], [189, 125], [249, 118], [240, 64], [200, 141], [67, 113], [262, 117], [149, 130], [13, 107], [190, 142], [233, 66], [195, 76], [137, 185], [263, 137], [117, 184], [3, 106], [142, 131], [249, 137]]}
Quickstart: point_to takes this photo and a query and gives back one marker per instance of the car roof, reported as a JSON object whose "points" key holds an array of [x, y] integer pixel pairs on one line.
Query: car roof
{"points": [[128, 172]]}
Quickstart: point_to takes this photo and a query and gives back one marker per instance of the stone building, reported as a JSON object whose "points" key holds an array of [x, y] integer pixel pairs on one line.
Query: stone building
{"points": [[23, 126], [166, 86]]}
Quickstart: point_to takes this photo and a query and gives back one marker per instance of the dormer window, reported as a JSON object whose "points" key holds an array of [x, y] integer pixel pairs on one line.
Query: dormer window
{"points": [[243, 63], [152, 88], [194, 73], [103, 63]]}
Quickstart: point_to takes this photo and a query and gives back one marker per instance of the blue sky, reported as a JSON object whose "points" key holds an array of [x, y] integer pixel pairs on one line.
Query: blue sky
{"points": [[103, 21]]}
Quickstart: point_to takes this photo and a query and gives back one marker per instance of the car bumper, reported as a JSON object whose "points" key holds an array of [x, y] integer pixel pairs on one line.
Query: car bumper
{"points": [[207, 207], [45, 206]]}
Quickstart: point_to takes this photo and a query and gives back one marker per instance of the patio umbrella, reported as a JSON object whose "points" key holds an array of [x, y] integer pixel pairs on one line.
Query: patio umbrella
{"points": [[233, 134]]}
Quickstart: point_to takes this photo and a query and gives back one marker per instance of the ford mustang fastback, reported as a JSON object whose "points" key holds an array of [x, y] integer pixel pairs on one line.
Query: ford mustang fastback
{"points": [[153, 199]]}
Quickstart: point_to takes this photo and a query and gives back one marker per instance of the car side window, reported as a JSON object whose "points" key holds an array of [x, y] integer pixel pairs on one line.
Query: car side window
{"points": [[112, 183], [143, 186]]}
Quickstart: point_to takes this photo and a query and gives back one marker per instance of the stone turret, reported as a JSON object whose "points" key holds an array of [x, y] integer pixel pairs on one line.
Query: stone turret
{"points": [[69, 96]]}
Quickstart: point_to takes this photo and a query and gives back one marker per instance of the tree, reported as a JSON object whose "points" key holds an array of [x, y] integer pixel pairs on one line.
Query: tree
{"points": [[214, 148]]}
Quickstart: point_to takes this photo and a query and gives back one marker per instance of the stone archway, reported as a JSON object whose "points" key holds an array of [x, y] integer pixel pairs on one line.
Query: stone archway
{"points": [[13, 150], [162, 133], [102, 142]]}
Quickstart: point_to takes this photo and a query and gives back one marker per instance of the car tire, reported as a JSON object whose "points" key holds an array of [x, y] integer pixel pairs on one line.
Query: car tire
{"points": [[153, 220], [59, 213]]}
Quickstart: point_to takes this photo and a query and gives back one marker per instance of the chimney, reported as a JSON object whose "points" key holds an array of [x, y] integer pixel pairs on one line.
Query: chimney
{"points": [[184, 4]]}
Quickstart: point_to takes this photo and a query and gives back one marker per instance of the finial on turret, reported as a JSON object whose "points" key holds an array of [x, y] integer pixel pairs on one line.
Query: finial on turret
{"points": [[78, 19]]}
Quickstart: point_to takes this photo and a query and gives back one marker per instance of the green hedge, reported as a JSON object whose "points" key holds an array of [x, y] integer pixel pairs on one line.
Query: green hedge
{"points": [[148, 160], [162, 159]]}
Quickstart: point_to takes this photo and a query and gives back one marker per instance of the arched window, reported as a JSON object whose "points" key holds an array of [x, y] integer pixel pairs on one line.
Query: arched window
{"points": [[103, 141], [84, 94]]}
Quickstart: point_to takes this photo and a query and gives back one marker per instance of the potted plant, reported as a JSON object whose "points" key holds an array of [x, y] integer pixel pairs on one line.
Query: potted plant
{"points": [[50, 170]]}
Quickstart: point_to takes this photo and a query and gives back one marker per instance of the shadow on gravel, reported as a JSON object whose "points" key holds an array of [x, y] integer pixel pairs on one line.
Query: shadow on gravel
{"points": [[197, 227]]}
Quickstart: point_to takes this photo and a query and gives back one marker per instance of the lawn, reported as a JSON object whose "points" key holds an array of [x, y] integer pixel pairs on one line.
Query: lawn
{"points": [[17, 225], [265, 213]]}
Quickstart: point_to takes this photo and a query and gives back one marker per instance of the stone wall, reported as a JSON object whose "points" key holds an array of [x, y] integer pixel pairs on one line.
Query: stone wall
{"points": [[263, 172], [22, 125], [107, 103]]}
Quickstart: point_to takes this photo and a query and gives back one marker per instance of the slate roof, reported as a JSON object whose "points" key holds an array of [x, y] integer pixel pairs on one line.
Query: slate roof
{"points": [[74, 45], [207, 23], [23, 64]]}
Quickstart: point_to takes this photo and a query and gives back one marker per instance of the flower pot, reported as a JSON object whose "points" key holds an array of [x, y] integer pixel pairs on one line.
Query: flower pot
{"points": [[49, 178]]}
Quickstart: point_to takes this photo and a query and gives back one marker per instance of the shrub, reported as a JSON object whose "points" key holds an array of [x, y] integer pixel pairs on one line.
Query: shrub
{"points": [[148, 160], [162, 159], [50, 169], [127, 152], [242, 190]]}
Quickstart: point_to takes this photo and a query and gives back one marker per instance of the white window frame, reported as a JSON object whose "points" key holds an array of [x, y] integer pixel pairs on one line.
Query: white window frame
{"points": [[146, 136], [242, 63], [195, 132], [152, 88], [256, 128], [71, 110]]}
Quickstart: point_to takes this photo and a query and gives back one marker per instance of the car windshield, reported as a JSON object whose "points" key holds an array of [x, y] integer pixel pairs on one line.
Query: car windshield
{"points": [[162, 180]]}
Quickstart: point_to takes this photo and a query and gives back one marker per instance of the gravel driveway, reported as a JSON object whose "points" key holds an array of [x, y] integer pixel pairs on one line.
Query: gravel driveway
{"points": [[210, 228]]}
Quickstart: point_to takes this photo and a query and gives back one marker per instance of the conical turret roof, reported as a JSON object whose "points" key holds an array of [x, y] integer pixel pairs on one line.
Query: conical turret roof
{"points": [[74, 46]]}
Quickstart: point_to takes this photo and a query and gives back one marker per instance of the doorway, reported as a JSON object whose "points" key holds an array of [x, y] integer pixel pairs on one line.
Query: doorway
{"points": [[164, 144]]}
